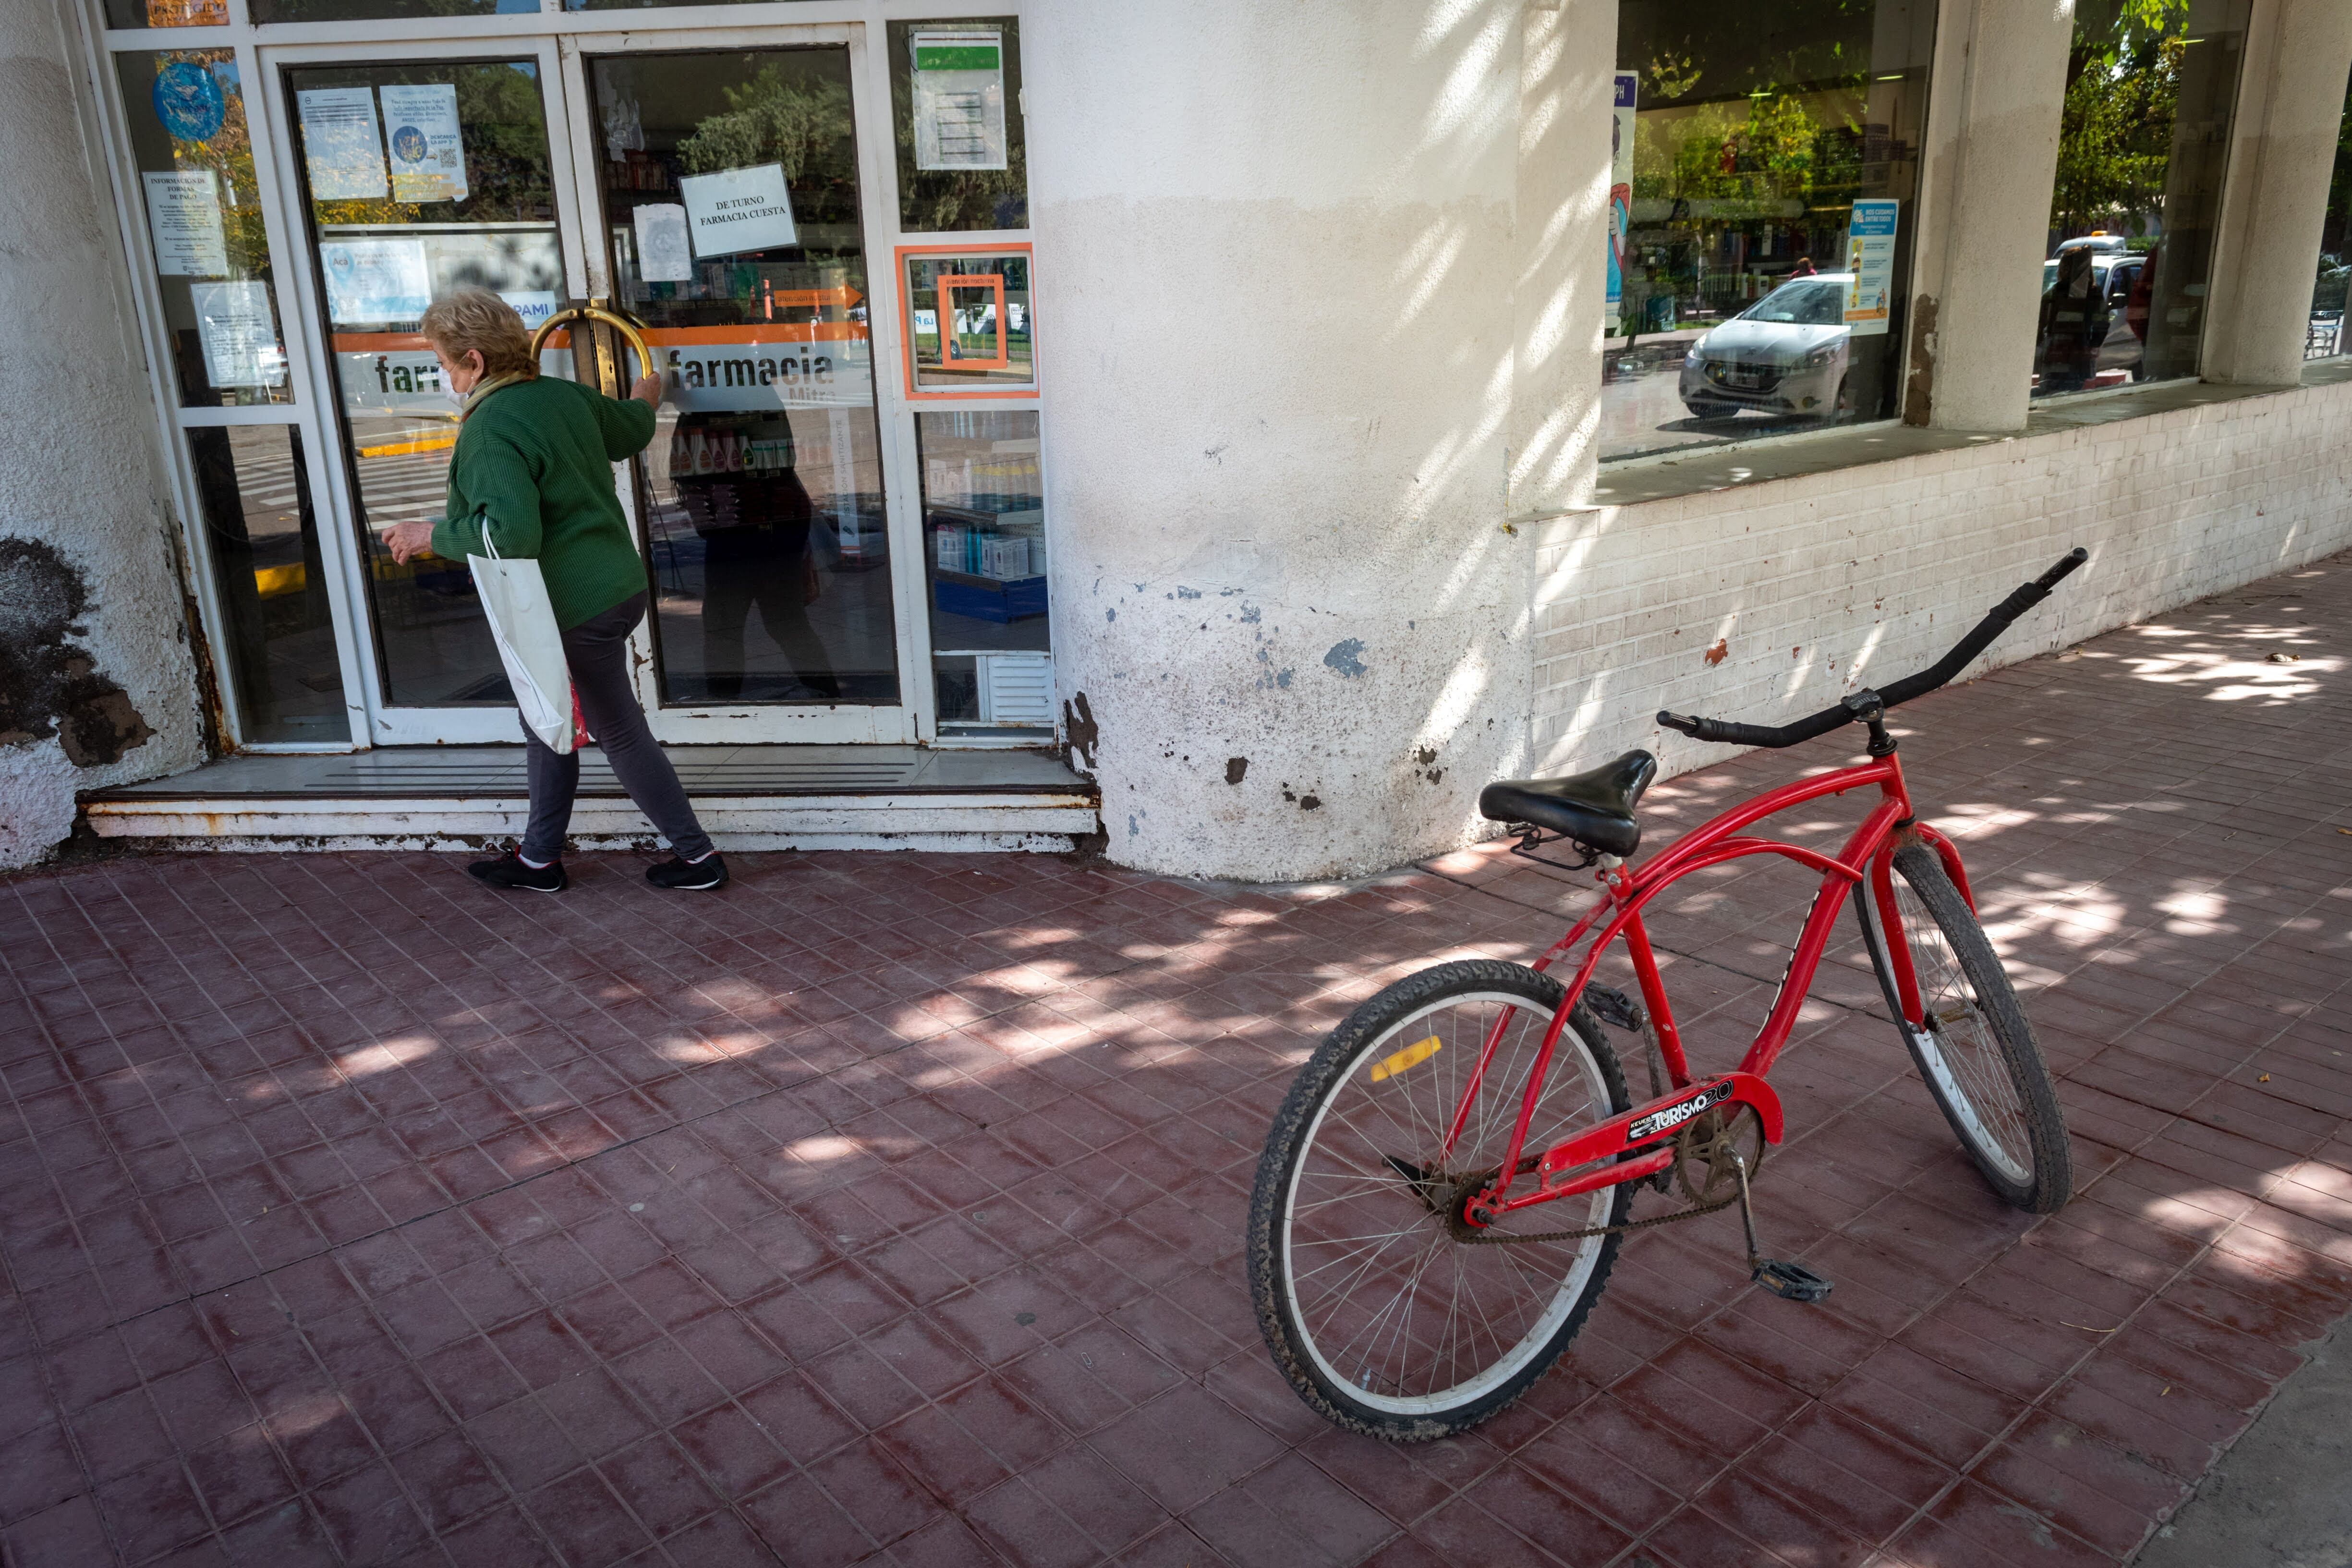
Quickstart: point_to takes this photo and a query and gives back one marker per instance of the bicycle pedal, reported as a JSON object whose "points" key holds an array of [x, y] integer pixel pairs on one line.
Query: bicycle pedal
{"points": [[1790, 1282]]}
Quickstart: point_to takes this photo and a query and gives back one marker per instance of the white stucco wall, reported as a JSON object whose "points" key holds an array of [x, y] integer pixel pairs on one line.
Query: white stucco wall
{"points": [[79, 470], [1821, 584], [1280, 246]]}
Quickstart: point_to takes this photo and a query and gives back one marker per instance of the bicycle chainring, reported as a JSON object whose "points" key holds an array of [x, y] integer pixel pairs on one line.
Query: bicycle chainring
{"points": [[1703, 1151]]}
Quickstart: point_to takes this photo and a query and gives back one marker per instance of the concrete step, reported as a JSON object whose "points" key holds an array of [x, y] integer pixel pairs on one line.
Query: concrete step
{"points": [[749, 798]]}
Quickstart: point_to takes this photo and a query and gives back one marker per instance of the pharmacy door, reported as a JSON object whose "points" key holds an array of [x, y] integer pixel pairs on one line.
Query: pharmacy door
{"points": [[718, 195]]}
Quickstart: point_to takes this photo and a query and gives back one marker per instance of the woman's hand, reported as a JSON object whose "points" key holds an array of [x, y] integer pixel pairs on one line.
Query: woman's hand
{"points": [[408, 541], [648, 391]]}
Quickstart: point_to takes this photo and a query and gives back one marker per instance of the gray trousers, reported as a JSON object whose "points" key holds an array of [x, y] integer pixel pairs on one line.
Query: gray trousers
{"points": [[597, 649]]}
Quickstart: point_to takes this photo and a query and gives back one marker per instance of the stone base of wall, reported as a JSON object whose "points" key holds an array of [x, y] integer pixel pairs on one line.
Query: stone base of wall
{"points": [[1767, 602]]}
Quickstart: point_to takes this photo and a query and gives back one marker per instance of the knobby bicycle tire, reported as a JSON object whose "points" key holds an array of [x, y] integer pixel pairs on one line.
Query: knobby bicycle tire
{"points": [[1371, 1027], [2001, 1102]]}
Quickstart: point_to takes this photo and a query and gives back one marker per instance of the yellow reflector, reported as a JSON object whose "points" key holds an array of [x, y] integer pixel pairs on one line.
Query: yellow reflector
{"points": [[1411, 1056]]}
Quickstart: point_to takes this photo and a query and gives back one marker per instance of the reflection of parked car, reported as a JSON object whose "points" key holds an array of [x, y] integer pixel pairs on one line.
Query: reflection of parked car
{"points": [[1784, 354]]}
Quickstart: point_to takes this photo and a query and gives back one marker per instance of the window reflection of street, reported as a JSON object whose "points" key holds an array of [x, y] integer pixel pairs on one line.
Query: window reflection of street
{"points": [[272, 582]]}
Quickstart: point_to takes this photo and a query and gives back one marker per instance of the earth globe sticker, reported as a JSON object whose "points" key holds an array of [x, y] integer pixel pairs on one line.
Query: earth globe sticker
{"points": [[408, 145], [188, 101]]}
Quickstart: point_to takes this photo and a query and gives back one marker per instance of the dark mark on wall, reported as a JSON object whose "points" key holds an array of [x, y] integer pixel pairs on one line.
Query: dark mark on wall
{"points": [[1310, 803], [1236, 769], [1919, 389], [1346, 657], [1078, 724], [47, 686]]}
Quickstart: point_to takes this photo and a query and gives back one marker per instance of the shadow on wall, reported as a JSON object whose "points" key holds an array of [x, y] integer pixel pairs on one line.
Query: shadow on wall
{"points": [[47, 686]]}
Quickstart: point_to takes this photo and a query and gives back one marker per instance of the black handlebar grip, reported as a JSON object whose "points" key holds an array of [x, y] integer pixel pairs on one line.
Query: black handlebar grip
{"points": [[2068, 563]]}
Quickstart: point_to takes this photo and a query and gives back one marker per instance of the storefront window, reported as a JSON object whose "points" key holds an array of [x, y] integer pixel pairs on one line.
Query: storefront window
{"points": [[1765, 180], [380, 10], [2326, 336], [267, 571], [984, 568], [167, 12], [2143, 147], [204, 229], [420, 179], [955, 97]]}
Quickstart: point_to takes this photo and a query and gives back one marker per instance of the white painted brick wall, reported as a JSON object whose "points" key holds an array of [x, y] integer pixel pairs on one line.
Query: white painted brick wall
{"points": [[1829, 582]]}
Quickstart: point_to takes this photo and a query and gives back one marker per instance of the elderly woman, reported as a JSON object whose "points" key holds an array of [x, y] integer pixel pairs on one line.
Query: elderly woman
{"points": [[534, 463]]}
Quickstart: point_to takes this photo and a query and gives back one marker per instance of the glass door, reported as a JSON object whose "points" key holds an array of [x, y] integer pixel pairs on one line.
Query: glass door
{"points": [[729, 190], [417, 176], [716, 195]]}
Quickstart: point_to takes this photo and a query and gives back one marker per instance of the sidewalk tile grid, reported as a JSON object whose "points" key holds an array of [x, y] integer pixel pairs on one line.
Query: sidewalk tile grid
{"points": [[888, 1207]]}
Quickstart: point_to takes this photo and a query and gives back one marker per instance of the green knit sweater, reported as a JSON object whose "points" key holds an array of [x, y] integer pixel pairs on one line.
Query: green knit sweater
{"points": [[537, 459]]}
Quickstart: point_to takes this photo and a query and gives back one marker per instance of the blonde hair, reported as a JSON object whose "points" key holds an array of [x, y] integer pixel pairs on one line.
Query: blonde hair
{"points": [[476, 319]]}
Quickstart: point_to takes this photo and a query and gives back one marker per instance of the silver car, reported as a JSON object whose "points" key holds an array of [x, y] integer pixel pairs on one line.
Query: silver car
{"points": [[1784, 354]]}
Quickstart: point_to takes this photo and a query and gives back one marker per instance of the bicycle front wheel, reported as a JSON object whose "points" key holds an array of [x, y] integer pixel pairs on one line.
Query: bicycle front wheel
{"points": [[1387, 1317], [1968, 1034]]}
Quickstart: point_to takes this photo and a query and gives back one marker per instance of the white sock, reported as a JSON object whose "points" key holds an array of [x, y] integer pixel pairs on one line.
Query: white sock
{"points": [[705, 854], [534, 865]]}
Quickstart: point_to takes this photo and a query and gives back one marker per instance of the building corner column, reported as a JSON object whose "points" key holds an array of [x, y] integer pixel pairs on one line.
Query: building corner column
{"points": [[1991, 155], [98, 681], [2290, 111]]}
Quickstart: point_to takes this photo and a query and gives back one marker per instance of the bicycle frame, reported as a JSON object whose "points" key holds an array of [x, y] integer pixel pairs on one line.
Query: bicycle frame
{"points": [[1867, 856]]}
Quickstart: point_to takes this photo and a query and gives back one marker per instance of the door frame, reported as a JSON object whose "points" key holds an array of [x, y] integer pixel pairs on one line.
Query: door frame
{"points": [[579, 220], [752, 723]]}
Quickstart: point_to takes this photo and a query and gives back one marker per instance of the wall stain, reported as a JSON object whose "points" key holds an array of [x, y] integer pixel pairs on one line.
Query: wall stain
{"points": [[1919, 389], [1346, 657], [1078, 724], [47, 686], [1716, 654], [1236, 769]]}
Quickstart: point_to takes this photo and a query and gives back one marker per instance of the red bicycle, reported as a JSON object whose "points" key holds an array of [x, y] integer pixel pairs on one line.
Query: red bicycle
{"points": [[1449, 1179]]}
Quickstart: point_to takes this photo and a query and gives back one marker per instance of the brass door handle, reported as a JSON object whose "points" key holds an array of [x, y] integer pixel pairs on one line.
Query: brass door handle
{"points": [[594, 312]]}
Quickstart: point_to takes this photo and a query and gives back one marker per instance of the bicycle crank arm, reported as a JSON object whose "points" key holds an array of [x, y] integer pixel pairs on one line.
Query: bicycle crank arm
{"points": [[1790, 1282]]}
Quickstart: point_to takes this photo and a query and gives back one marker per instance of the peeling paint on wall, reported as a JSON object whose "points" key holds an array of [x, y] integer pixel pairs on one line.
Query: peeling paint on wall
{"points": [[1919, 389], [1078, 724], [1346, 657], [48, 685]]}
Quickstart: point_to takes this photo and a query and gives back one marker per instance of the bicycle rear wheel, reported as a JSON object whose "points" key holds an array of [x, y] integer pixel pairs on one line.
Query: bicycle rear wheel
{"points": [[1969, 1036], [1386, 1319]]}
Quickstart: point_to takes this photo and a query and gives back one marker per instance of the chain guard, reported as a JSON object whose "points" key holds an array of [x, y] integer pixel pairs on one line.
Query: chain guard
{"points": [[1703, 1151]]}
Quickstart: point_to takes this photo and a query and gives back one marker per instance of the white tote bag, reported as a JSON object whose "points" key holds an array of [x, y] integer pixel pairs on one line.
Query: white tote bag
{"points": [[514, 598]]}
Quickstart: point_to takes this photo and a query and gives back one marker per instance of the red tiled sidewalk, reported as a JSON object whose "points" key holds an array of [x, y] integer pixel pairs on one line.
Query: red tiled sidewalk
{"points": [[886, 1208]]}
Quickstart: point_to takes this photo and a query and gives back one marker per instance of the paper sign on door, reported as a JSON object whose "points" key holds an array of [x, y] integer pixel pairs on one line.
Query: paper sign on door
{"points": [[738, 210], [1870, 257], [183, 214], [959, 98], [240, 340], [662, 253], [375, 280], [429, 153], [341, 149]]}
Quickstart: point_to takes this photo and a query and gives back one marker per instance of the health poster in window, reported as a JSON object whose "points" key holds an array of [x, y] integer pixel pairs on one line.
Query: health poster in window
{"points": [[240, 340], [959, 98], [736, 211], [1870, 257], [375, 280], [1621, 189], [184, 214], [341, 150], [428, 155]]}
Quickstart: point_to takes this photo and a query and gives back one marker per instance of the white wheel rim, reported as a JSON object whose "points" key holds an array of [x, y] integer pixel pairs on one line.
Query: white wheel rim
{"points": [[1958, 1051], [1347, 1364]]}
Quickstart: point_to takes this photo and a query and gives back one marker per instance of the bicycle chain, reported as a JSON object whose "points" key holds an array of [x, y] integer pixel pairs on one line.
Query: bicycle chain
{"points": [[1488, 1238]]}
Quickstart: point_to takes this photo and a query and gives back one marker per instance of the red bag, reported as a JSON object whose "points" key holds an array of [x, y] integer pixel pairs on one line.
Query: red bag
{"points": [[580, 735]]}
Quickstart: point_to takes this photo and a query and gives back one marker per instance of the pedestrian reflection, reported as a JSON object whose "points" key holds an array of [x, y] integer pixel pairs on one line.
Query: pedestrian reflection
{"points": [[738, 480]]}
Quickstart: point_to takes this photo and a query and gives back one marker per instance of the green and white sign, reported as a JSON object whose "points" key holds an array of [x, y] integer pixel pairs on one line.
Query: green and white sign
{"points": [[959, 98]]}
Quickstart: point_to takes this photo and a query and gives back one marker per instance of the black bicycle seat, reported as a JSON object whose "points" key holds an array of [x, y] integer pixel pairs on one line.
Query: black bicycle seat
{"points": [[1594, 808]]}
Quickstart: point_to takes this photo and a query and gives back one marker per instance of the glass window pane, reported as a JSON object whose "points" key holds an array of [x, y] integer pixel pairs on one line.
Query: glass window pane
{"points": [[967, 322], [205, 236], [167, 12], [264, 544], [2327, 335], [474, 205], [1746, 136], [762, 490], [373, 10], [2142, 149], [984, 568], [955, 99]]}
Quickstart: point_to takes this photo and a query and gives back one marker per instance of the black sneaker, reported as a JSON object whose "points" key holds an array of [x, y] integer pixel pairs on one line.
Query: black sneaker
{"points": [[509, 874], [692, 876]]}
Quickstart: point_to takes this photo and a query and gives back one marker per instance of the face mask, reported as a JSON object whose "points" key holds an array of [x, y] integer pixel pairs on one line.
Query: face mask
{"points": [[453, 395]]}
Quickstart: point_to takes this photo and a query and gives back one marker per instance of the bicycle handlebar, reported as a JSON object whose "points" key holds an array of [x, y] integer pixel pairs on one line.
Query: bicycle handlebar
{"points": [[2024, 598]]}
